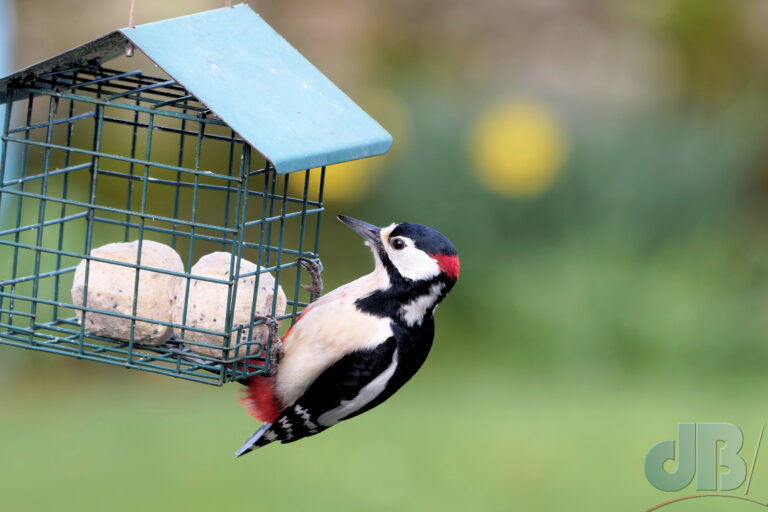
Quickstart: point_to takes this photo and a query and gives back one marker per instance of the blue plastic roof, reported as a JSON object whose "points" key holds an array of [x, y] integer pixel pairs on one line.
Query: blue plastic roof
{"points": [[234, 63]]}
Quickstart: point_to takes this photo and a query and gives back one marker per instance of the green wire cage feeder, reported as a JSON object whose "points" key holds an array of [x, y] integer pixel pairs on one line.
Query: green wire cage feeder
{"points": [[210, 153]]}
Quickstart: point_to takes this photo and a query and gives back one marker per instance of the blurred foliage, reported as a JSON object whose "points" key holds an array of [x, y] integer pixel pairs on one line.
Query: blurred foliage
{"points": [[708, 42]]}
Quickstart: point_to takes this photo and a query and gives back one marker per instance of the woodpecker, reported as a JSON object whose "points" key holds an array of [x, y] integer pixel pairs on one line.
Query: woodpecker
{"points": [[352, 348]]}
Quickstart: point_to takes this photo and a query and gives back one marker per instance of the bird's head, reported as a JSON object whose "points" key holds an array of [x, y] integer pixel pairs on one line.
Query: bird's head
{"points": [[410, 251]]}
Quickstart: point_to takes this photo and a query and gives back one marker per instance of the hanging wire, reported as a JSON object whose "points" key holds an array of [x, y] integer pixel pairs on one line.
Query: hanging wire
{"points": [[229, 3]]}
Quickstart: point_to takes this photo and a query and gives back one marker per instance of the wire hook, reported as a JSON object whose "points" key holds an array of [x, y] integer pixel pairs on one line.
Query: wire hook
{"points": [[131, 14]]}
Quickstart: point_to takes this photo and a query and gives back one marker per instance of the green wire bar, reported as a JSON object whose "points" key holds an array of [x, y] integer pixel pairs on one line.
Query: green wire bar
{"points": [[115, 156]]}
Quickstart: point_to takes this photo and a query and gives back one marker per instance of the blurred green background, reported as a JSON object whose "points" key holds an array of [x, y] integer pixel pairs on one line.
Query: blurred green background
{"points": [[601, 168]]}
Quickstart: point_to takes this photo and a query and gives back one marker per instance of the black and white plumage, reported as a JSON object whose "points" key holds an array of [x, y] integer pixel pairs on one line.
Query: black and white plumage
{"points": [[356, 346]]}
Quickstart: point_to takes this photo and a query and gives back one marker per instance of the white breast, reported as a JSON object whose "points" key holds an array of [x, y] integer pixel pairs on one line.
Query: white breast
{"points": [[329, 329]]}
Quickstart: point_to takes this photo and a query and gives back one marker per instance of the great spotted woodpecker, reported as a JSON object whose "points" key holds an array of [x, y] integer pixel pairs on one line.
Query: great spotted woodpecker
{"points": [[353, 348]]}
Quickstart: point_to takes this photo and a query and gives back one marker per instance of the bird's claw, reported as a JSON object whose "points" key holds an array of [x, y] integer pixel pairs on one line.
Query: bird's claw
{"points": [[315, 269], [275, 343]]}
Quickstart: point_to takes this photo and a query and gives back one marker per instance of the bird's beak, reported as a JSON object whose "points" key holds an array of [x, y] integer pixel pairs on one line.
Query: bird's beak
{"points": [[368, 231]]}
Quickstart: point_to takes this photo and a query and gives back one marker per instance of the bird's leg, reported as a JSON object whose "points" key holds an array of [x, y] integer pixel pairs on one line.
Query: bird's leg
{"points": [[275, 343], [315, 269]]}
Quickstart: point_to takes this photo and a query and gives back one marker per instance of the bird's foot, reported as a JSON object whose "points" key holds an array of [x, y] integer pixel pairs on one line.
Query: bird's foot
{"points": [[315, 269], [275, 343]]}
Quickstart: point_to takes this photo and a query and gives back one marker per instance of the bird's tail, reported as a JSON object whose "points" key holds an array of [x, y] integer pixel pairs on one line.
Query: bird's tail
{"points": [[253, 442]]}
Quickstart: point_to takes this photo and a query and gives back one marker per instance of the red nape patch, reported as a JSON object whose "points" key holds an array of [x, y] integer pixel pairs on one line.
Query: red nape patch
{"points": [[260, 399], [449, 263]]}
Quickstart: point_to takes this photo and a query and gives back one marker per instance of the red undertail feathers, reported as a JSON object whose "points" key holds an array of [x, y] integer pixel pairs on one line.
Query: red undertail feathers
{"points": [[260, 399]]}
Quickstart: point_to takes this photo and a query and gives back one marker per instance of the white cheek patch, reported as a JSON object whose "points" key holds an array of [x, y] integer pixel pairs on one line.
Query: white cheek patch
{"points": [[413, 263]]}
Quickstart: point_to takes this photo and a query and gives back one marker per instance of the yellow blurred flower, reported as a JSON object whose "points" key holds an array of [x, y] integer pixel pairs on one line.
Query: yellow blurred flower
{"points": [[349, 181], [517, 148]]}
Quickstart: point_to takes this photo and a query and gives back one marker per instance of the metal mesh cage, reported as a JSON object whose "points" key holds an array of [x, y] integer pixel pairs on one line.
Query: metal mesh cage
{"points": [[91, 156]]}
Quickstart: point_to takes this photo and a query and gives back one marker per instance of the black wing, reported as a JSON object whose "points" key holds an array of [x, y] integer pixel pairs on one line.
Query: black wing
{"points": [[354, 384]]}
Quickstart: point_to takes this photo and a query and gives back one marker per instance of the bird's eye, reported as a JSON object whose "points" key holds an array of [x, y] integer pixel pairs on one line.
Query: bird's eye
{"points": [[397, 244]]}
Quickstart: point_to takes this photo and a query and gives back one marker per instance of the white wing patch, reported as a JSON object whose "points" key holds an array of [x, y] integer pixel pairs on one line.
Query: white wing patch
{"points": [[413, 312], [363, 398]]}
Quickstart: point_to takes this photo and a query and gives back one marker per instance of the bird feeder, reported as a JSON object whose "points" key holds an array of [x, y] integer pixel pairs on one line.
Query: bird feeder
{"points": [[212, 150]]}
